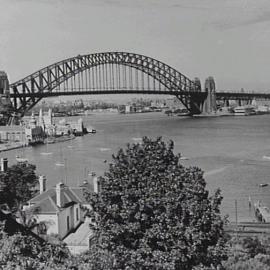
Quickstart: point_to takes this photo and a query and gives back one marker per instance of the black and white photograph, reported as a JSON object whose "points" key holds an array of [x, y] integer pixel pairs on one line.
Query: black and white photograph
{"points": [[134, 134]]}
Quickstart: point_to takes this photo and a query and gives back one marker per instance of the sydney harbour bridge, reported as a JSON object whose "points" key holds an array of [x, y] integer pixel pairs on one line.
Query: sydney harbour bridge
{"points": [[117, 73]]}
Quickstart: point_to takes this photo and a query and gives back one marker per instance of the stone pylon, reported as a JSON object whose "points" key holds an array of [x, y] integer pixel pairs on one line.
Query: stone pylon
{"points": [[210, 104], [197, 83], [4, 83]]}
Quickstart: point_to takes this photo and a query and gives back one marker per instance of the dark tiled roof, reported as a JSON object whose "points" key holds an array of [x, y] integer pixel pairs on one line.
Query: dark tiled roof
{"points": [[46, 202], [46, 206]]}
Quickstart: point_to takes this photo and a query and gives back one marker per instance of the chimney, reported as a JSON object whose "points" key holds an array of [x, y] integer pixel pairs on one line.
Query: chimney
{"points": [[4, 164], [42, 183], [59, 190], [96, 184]]}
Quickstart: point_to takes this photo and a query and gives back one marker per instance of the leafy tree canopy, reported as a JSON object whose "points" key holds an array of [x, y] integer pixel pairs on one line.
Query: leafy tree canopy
{"points": [[25, 252], [249, 253], [153, 213], [17, 184]]}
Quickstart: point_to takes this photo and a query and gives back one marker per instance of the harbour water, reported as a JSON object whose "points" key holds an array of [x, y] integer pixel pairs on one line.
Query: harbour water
{"points": [[229, 150]]}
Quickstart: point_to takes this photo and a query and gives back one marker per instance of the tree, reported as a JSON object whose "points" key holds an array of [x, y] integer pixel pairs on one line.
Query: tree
{"points": [[17, 184], [249, 253], [153, 213], [25, 252]]}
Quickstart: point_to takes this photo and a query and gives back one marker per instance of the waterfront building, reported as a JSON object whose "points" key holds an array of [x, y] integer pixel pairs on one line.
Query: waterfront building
{"points": [[13, 134], [77, 127], [262, 109], [34, 133], [60, 209], [62, 128]]}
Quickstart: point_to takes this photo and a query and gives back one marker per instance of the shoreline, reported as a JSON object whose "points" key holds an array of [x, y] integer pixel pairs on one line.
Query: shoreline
{"points": [[11, 146]]}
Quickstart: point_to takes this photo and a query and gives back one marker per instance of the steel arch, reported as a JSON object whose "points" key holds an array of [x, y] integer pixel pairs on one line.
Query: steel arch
{"points": [[31, 89]]}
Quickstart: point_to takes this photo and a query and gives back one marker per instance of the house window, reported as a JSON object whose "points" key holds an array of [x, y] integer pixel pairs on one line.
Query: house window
{"points": [[77, 214], [68, 223]]}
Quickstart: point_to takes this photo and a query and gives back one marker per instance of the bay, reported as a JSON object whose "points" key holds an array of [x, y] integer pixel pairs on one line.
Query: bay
{"points": [[229, 150]]}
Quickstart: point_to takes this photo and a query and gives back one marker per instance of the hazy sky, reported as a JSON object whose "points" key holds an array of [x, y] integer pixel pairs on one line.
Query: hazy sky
{"points": [[228, 39]]}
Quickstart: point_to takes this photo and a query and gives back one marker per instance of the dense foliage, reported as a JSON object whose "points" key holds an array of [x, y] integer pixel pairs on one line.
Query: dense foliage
{"points": [[153, 213], [17, 184], [25, 252], [248, 253]]}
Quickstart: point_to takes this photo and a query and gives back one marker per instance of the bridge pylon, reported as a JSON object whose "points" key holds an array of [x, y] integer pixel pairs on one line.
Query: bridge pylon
{"points": [[210, 104]]}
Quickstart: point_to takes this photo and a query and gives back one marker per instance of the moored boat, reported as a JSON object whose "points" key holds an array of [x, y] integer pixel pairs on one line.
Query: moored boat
{"points": [[244, 111], [21, 159]]}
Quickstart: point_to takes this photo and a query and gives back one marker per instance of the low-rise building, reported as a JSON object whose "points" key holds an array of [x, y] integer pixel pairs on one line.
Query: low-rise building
{"points": [[60, 208], [34, 133], [12, 134]]}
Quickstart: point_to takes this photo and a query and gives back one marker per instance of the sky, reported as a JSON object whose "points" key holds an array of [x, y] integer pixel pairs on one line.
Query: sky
{"points": [[226, 39]]}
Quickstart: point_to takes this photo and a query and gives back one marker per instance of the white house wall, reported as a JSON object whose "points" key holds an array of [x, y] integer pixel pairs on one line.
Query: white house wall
{"points": [[77, 220], [51, 222], [73, 222]]}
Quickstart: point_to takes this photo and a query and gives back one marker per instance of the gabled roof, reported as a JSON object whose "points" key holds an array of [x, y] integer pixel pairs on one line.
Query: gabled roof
{"points": [[46, 203]]}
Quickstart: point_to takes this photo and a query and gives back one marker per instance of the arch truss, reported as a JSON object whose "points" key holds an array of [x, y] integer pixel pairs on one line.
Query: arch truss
{"points": [[105, 73]]}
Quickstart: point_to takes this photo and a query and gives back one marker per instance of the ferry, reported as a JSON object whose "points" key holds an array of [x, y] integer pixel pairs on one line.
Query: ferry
{"points": [[244, 111]]}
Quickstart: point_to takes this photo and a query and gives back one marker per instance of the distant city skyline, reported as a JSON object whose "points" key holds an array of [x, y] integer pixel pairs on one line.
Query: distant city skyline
{"points": [[228, 40]]}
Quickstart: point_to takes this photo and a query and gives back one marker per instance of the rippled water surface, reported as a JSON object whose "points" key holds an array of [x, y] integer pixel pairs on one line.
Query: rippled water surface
{"points": [[229, 149]]}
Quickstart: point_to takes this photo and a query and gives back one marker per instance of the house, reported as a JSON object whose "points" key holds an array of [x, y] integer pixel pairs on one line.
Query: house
{"points": [[60, 208]]}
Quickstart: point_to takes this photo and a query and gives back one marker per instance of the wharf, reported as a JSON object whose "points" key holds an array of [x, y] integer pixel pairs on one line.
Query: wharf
{"points": [[10, 146], [244, 229], [262, 212]]}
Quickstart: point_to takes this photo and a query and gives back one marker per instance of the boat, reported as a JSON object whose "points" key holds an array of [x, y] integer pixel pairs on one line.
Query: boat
{"points": [[21, 159], [64, 138], [244, 111], [60, 164], [103, 149], [46, 153], [90, 130], [49, 140], [266, 157], [263, 185], [184, 158]]}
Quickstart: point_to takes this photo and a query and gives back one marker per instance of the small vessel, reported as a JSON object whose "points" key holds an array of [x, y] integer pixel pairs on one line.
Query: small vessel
{"points": [[263, 185], [21, 159], [266, 157], [49, 140], [244, 110], [137, 139], [183, 158], [60, 164], [90, 130], [46, 153], [92, 174], [64, 138], [104, 149]]}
